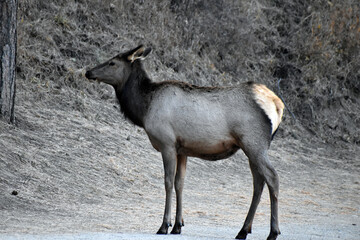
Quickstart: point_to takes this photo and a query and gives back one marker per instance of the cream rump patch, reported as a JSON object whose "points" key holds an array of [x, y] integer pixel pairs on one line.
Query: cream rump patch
{"points": [[270, 103]]}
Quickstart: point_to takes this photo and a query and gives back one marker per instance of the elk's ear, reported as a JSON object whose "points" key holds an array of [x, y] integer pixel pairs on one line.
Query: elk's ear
{"points": [[145, 53], [138, 53]]}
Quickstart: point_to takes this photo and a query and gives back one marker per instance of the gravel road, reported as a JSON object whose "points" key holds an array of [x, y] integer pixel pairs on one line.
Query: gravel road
{"points": [[192, 232]]}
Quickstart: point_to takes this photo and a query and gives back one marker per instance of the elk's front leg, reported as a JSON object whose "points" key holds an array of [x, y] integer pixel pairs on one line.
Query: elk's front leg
{"points": [[169, 160], [179, 185]]}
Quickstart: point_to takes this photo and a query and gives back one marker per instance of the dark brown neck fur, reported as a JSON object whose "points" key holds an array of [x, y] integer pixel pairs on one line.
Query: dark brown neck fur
{"points": [[134, 97]]}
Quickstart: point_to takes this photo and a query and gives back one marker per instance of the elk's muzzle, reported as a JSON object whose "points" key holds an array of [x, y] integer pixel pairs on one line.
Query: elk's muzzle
{"points": [[89, 75]]}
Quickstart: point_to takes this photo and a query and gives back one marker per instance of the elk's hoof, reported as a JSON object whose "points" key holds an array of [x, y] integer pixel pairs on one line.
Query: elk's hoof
{"points": [[177, 228], [164, 228], [162, 231], [242, 235], [273, 235]]}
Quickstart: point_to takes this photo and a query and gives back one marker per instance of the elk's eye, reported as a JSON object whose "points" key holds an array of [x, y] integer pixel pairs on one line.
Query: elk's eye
{"points": [[111, 63]]}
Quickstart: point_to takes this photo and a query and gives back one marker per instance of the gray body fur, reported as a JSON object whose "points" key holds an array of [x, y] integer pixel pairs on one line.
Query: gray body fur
{"points": [[209, 123], [183, 120]]}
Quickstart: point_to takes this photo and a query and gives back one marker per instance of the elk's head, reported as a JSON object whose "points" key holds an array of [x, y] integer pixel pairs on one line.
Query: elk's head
{"points": [[117, 70]]}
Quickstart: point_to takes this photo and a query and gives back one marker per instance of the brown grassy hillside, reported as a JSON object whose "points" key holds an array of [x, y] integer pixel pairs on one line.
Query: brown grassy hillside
{"points": [[313, 46]]}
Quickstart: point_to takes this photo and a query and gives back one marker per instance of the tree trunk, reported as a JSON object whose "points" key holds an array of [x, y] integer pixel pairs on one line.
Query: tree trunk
{"points": [[8, 10]]}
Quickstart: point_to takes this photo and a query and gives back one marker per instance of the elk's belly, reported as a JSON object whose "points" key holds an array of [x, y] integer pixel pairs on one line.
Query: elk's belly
{"points": [[207, 150]]}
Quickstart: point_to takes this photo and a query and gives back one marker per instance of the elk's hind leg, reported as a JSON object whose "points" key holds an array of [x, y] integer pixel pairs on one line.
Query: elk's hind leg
{"points": [[179, 185], [258, 182], [272, 181], [262, 171]]}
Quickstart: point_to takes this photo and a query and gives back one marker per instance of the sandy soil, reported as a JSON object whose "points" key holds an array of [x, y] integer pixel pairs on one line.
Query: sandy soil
{"points": [[65, 170]]}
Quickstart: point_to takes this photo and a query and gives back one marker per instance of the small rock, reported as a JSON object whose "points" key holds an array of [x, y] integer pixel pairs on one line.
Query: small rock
{"points": [[15, 193]]}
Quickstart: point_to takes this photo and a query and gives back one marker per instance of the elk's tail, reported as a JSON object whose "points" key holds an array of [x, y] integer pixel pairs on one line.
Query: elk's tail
{"points": [[270, 103]]}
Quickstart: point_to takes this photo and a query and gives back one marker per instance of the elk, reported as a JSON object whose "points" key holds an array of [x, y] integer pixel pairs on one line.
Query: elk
{"points": [[211, 123]]}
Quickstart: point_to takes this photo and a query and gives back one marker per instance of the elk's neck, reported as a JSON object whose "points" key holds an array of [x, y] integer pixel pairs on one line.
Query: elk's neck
{"points": [[134, 97]]}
